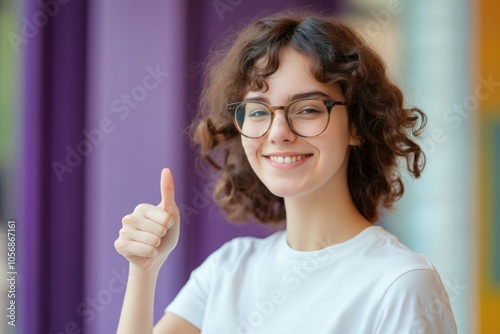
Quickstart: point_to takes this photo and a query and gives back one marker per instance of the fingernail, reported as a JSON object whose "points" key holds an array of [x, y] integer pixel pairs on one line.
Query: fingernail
{"points": [[171, 223]]}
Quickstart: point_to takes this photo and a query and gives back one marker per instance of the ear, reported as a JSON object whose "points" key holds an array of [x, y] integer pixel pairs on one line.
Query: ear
{"points": [[354, 137]]}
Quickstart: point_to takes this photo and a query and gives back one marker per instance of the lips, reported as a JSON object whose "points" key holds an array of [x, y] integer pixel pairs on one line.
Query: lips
{"points": [[289, 159]]}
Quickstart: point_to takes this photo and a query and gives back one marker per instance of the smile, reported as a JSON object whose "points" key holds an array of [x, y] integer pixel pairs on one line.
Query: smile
{"points": [[288, 159]]}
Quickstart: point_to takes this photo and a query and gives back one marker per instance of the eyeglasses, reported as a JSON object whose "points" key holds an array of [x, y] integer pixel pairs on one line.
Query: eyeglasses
{"points": [[305, 117]]}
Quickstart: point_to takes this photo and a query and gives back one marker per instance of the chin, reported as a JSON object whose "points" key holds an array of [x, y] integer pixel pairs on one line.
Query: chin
{"points": [[286, 191]]}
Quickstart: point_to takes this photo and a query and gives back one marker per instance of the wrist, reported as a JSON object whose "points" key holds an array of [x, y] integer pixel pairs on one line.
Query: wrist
{"points": [[136, 272]]}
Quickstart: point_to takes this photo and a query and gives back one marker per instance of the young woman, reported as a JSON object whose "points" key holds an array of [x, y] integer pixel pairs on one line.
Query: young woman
{"points": [[300, 119]]}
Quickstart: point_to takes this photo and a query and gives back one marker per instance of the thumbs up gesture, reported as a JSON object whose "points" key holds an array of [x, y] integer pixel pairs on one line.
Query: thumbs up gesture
{"points": [[150, 233]]}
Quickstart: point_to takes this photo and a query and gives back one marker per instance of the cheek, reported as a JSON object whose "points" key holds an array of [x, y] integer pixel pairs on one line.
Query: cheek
{"points": [[251, 147], [334, 144], [339, 131]]}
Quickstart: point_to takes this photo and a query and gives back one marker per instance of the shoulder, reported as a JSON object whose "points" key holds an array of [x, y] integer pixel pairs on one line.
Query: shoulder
{"points": [[412, 295], [416, 302], [388, 252]]}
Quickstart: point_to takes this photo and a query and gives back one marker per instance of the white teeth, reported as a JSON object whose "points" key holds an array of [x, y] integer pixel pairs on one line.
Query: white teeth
{"points": [[287, 160]]}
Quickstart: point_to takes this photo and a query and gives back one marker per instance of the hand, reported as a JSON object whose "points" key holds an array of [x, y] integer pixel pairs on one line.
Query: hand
{"points": [[150, 233]]}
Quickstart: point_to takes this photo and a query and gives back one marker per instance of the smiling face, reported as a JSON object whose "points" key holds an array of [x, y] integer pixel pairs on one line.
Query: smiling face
{"points": [[290, 165]]}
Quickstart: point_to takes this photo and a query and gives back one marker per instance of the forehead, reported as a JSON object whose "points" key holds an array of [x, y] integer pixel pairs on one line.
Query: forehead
{"points": [[292, 79]]}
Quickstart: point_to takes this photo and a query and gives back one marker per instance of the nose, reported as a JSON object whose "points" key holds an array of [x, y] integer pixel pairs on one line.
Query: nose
{"points": [[280, 131]]}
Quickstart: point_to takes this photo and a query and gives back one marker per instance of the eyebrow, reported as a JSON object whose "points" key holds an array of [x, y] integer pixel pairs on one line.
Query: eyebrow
{"points": [[298, 96]]}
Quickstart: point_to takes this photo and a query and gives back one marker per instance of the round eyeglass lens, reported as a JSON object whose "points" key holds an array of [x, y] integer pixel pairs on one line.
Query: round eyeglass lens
{"points": [[308, 117], [253, 119]]}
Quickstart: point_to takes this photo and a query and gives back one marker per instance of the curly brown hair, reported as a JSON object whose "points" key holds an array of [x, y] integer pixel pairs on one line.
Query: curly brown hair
{"points": [[338, 56]]}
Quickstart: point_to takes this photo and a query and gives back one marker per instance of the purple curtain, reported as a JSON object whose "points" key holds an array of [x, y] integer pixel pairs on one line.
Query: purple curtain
{"points": [[52, 222], [109, 89]]}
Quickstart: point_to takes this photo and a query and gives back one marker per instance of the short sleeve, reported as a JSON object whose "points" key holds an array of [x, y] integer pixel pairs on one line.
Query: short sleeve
{"points": [[416, 303], [191, 301]]}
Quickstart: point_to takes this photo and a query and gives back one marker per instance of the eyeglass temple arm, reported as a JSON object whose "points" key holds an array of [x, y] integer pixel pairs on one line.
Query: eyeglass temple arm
{"points": [[231, 107]]}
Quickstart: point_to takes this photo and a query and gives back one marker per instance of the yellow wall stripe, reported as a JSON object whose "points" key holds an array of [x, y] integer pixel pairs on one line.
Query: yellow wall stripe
{"points": [[489, 72]]}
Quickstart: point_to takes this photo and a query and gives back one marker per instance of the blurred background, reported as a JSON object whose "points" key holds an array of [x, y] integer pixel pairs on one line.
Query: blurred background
{"points": [[95, 97]]}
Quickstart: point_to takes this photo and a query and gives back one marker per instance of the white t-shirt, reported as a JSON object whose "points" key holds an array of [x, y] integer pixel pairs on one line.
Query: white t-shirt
{"points": [[369, 284]]}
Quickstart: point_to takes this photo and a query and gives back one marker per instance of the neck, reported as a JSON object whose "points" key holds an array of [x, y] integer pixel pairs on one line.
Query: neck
{"points": [[324, 217]]}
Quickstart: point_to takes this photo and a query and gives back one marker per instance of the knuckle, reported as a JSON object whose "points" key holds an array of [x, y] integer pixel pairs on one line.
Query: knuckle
{"points": [[151, 251], [119, 245], [127, 220], [163, 222], [141, 207], [123, 233], [162, 230], [157, 241]]}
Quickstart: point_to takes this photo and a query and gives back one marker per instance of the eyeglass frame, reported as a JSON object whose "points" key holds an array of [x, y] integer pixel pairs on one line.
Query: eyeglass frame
{"points": [[329, 104]]}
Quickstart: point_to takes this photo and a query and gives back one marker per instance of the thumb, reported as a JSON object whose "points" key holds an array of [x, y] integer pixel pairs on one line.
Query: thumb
{"points": [[167, 190]]}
